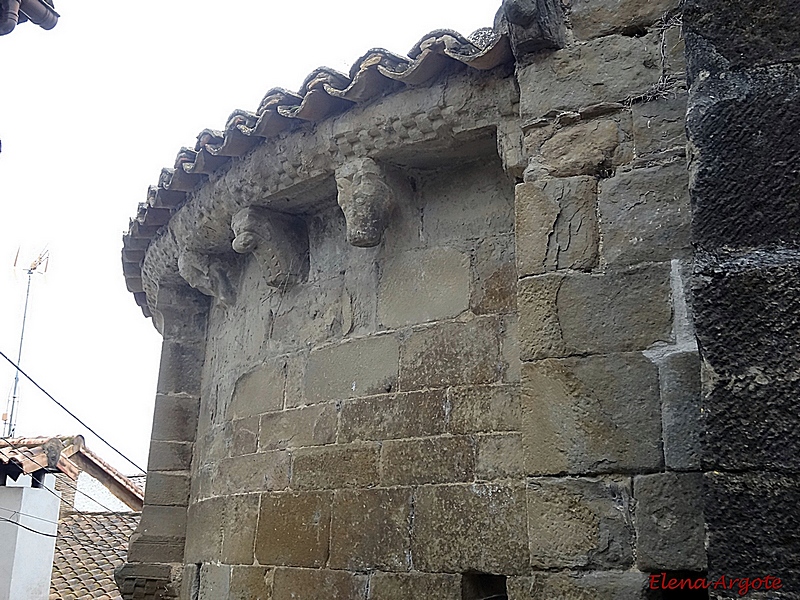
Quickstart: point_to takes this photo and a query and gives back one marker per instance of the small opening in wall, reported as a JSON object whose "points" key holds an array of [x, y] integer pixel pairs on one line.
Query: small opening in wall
{"points": [[686, 586], [483, 586], [634, 31]]}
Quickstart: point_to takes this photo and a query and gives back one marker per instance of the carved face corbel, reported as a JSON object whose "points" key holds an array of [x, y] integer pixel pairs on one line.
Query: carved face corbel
{"points": [[278, 242], [366, 199], [208, 274]]}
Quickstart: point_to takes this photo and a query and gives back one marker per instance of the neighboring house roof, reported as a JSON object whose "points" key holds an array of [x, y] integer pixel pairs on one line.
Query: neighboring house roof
{"points": [[68, 455], [324, 93], [88, 549]]}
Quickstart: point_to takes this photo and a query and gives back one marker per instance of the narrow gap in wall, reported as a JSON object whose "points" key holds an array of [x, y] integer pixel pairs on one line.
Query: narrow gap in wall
{"points": [[684, 581], [483, 586], [634, 31], [194, 593]]}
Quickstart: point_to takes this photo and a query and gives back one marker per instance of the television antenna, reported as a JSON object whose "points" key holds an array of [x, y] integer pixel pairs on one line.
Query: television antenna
{"points": [[39, 265]]}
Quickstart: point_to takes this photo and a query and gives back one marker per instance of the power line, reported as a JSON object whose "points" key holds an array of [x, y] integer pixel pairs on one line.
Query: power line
{"points": [[50, 535], [69, 412]]}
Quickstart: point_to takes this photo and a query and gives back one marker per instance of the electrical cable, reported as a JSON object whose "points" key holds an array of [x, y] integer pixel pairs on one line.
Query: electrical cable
{"points": [[50, 535], [69, 412]]}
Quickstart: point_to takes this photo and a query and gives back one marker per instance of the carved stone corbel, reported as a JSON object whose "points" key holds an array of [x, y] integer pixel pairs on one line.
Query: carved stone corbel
{"points": [[366, 199], [278, 242], [532, 25], [208, 274]]}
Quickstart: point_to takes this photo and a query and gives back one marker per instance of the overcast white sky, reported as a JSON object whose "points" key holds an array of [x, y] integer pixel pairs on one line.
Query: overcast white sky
{"points": [[89, 114]]}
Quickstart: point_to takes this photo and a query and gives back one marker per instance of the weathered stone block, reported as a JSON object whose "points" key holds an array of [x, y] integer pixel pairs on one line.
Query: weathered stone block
{"points": [[593, 18], [614, 585], [392, 586], [746, 314], [307, 426], [169, 456], [645, 215], [659, 125], [494, 277], [556, 225], [423, 285], [371, 530], [751, 524], [181, 367], [204, 531], [485, 408], [259, 391], [336, 466], [215, 581], [354, 368], [244, 434], [467, 203], [670, 528], [681, 413], [250, 583], [587, 148], [591, 415], [393, 416], [296, 365], [239, 516], [167, 489], [427, 460], [743, 199], [294, 529], [499, 456], [318, 584], [479, 527], [619, 311], [163, 521], [738, 33], [175, 418], [509, 348], [580, 523], [259, 472], [446, 354], [610, 69]]}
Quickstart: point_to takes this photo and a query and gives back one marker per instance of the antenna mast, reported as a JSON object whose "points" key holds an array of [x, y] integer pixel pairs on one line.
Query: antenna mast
{"points": [[37, 266]]}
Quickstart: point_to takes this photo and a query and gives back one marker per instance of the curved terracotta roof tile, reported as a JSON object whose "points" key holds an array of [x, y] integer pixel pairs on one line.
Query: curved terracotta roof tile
{"points": [[324, 93]]}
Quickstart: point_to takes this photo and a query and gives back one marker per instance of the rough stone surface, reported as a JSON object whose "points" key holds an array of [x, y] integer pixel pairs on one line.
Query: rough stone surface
{"points": [[587, 148], [556, 225], [659, 125], [580, 523], [746, 313], [455, 353], [744, 196], [175, 418], [591, 415], [339, 466], [619, 311], [427, 460], [259, 472], [423, 285], [751, 526], [609, 69], [681, 411], [738, 33], [670, 533], [371, 529], [600, 585], [393, 416], [499, 456], [391, 586], [308, 426], [645, 215], [494, 279], [593, 18], [250, 583], [479, 527], [259, 391], [294, 529], [167, 489], [485, 408], [318, 584], [355, 368]]}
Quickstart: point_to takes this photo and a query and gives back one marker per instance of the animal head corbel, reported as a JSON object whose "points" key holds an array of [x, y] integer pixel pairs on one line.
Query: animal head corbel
{"points": [[366, 199], [278, 242], [208, 274]]}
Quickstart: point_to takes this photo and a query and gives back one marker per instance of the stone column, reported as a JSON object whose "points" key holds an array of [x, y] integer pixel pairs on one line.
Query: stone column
{"points": [[742, 123], [155, 556]]}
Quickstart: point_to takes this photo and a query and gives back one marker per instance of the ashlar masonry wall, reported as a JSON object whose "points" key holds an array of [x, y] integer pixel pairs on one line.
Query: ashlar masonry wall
{"points": [[457, 360]]}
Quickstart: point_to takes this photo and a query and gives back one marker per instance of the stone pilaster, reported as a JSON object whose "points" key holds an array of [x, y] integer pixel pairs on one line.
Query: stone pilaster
{"points": [[155, 555]]}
